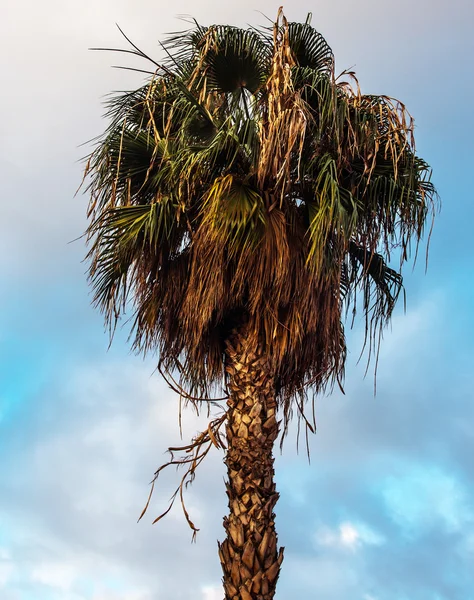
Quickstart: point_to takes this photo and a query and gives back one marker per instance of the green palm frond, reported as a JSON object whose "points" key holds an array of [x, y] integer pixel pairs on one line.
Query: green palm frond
{"points": [[234, 59], [371, 268], [332, 211], [234, 214], [123, 236], [310, 48]]}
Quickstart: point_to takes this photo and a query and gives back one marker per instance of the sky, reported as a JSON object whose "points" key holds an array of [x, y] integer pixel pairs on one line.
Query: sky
{"points": [[385, 510]]}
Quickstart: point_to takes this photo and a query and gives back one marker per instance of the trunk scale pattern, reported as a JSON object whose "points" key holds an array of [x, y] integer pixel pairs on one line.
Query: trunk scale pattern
{"points": [[249, 555]]}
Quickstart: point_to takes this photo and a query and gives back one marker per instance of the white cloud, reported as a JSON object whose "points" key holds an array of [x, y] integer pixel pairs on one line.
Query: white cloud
{"points": [[348, 535], [103, 594], [7, 568], [212, 592], [55, 574]]}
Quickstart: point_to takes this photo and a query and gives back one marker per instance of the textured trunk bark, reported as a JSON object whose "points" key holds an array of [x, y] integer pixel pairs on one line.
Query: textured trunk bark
{"points": [[249, 556]]}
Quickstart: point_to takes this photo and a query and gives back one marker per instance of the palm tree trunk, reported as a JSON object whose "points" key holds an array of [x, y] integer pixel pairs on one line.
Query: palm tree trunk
{"points": [[249, 556]]}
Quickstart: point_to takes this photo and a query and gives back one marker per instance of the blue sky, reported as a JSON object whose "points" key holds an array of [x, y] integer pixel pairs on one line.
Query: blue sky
{"points": [[385, 510]]}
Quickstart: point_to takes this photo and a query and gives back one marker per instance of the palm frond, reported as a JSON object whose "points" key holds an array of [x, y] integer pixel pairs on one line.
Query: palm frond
{"points": [[233, 213], [310, 48], [234, 59]]}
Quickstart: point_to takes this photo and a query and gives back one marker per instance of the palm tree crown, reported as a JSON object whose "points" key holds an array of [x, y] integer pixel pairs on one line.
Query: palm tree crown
{"points": [[245, 182]]}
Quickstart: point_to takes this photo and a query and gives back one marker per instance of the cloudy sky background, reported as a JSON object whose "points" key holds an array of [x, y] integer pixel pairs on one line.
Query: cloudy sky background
{"points": [[385, 511]]}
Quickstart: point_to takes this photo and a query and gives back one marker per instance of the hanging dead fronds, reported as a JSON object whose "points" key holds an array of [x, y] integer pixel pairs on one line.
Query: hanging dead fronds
{"points": [[188, 457]]}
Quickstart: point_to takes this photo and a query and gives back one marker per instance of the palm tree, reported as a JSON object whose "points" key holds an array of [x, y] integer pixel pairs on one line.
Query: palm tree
{"points": [[242, 201]]}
